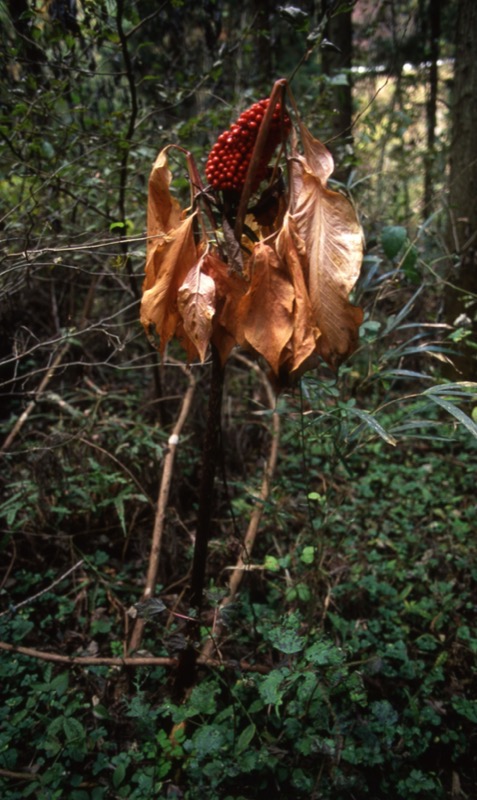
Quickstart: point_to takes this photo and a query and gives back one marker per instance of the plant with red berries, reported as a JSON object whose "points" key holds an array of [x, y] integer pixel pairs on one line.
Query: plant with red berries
{"points": [[272, 278], [280, 289]]}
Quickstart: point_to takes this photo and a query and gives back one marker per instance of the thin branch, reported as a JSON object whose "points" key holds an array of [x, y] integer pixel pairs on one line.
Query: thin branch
{"points": [[56, 658], [145, 20], [162, 501], [50, 370], [269, 471], [31, 405], [43, 591], [19, 776]]}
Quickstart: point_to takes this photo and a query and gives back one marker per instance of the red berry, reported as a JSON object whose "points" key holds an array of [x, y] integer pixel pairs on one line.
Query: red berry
{"points": [[230, 156]]}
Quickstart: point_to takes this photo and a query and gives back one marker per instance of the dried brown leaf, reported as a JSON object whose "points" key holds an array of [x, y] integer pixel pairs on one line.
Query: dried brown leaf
{"points": [[327, 223], [169, 260], [266, 311], [230, 288], [163, 211], [196, 303], [302, 345]]}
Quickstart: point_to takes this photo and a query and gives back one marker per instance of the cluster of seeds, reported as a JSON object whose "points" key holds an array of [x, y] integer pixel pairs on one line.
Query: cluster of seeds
{"points": [[230, 156]]}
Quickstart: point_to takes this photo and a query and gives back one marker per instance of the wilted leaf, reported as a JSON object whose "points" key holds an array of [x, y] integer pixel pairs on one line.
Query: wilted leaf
{"points": [[266, 311], [327, 223], [230, 288], [163, 210], [302, 345], [196, 303], [168, 262]]}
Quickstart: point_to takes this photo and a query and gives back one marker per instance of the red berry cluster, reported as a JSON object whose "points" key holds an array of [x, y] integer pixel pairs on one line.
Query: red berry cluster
{"points": [[230, 156]]}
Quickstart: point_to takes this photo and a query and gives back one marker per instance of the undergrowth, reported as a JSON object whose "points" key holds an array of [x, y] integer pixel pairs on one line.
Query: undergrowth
{"points": [[347, 668]]}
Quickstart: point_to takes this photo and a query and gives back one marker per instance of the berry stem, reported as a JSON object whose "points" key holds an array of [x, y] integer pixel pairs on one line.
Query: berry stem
{"points": [[277, 95]]}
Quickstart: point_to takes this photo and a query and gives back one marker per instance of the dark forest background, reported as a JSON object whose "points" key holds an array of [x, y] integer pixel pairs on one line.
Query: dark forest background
{"points": [[345, 666]]}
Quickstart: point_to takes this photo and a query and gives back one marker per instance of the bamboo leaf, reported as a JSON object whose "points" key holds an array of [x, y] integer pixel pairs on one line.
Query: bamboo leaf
{"points": [[373, 423]]}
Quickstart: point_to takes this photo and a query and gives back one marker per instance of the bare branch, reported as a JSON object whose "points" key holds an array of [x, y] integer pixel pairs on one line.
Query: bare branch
{"points": [[162, 501], [43, 591]]}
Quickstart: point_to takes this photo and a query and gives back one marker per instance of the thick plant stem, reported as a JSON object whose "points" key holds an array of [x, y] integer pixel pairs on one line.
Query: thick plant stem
{"points": [[245, 557], [210, 456], [186, 669]]}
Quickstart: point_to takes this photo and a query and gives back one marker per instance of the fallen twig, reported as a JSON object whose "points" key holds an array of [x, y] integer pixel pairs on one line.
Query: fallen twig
{"points": [[127, 661]]}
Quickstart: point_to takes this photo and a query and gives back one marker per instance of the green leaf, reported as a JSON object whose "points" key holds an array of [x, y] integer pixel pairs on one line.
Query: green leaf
{"points": [[308, 555], [303, 592], [119, 774], [208, 740], [392, 239], [73, 729], [60, 683], [286, 637], [272, 689], [408, 264], [466, 708], [323, 653], [271, 563], [435, 394], [119, 506], [47, 149], [245, 738], [373, 423]]}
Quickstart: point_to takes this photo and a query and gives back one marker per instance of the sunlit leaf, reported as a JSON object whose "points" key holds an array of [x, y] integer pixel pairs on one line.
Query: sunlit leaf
{"points": [[163, 210], [327, 223]]}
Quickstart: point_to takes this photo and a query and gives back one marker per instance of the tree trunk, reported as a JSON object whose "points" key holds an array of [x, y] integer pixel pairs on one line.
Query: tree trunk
{"points": [[434, 31], [461, 302], [339, 32], [22, 17]]}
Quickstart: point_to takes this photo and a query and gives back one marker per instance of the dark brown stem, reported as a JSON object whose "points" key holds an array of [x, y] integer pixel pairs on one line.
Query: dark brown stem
{"points": [[123, 172], [210, 456]]}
